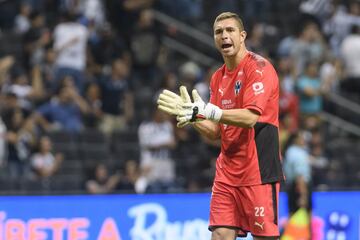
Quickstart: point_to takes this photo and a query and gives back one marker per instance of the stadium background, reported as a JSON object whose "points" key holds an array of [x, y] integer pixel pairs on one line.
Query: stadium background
{"points": [[134, 48]]}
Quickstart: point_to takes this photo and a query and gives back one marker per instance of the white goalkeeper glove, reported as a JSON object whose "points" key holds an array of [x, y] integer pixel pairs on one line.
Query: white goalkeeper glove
{"points": [[198, 111], [171, 103]]}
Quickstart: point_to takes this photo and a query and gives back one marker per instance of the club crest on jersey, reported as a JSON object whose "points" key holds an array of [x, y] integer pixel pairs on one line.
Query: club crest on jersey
{"points": [[237, 87]]}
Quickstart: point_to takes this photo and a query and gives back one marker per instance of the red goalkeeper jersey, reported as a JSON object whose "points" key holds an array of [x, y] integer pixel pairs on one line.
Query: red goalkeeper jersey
{"points": [[248, 156]]}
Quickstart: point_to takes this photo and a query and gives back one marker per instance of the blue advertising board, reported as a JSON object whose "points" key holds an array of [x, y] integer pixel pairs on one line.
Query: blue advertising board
{"points": [[151, 217]]}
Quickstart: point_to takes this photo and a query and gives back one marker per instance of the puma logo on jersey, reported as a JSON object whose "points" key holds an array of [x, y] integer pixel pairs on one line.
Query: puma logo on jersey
{"points": [[260, 72], [260, 225]]}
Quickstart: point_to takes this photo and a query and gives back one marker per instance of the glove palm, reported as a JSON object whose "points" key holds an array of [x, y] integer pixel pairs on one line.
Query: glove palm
{"points": [[171, 103]]}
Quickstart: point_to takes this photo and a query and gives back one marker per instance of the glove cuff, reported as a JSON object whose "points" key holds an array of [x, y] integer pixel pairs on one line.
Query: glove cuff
{"points": [[213, 112]]}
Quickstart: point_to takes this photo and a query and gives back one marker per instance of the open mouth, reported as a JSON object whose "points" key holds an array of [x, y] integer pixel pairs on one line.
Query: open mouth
{"points": [[226, 45]]}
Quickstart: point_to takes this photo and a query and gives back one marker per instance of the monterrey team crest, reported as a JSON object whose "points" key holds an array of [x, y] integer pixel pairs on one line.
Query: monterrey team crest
{"points": [[237, 87]]}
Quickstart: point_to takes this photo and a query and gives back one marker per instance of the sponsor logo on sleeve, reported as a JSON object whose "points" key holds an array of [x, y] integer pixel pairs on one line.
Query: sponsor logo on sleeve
{"points": [[258, 88]]}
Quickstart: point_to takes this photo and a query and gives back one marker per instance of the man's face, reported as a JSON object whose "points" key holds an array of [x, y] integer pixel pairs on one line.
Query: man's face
{"points": [[228, 37], [64, 95]]}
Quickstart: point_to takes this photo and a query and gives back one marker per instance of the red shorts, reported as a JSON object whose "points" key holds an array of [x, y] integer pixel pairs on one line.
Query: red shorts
{"points": [[251, 209]]}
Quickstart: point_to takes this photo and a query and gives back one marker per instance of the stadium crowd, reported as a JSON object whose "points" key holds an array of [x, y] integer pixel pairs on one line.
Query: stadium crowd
{"points": [[79, 80]]}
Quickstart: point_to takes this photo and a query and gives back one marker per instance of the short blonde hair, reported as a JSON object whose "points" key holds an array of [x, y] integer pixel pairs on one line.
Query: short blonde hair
{"points": [[226, 15]]}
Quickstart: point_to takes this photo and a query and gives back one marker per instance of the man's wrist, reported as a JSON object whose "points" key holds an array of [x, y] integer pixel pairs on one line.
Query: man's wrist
{"points": [[213, 112]]}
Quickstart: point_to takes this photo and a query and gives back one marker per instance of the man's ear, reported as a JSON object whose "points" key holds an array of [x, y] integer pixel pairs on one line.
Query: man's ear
{"points": [[243, 35]]}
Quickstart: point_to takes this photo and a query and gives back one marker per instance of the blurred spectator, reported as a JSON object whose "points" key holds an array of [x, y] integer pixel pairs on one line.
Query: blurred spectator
{"points": [[319, 165], [6, 63], [156, 141], [22, 20], [44, 162], [20, 140], [286, 71], [350, 53], [70, 42], [310, 124], [93, 117], [298, 174], [124, 14], [255, 40], [47, 68], [25, 92], [107, 47], [63, 112], [132, 180], [336, 176], [308, 46], [331, 73], [170, 82], [93, 11], [203, 86], [320, 9], [288, 113], [207, 167], [189, 73], [27, 137], [339, 24], [117, 98], [35, 40], [309, 89], [145, 34], [288, 100], [9, 104], [101, 182]]}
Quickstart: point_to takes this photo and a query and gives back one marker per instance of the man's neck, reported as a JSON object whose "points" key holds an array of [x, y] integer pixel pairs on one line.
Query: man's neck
{"points": [[233, 61]]}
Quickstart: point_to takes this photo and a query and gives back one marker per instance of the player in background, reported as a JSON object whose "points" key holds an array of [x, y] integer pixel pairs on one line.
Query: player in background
{"points": [[243, 112]]}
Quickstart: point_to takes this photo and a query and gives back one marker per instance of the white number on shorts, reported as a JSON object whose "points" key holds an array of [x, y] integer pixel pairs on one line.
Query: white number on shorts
{"points": [[259, 212]]}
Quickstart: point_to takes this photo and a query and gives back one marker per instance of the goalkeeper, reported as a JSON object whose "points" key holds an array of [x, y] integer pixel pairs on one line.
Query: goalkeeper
{"points": [[243, 112]]}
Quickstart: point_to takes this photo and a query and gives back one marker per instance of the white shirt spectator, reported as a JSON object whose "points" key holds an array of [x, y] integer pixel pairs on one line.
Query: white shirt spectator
{"points": [[153, 137], [350, 52], [22, 92], [338, 26], [93, 10], [70, 39], [319, 8], [22, 24], [43, 161]]}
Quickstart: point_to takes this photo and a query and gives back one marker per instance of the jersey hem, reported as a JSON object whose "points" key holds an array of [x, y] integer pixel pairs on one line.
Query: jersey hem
{"points": [[211, 228], [272, 180], [265, 236]]}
